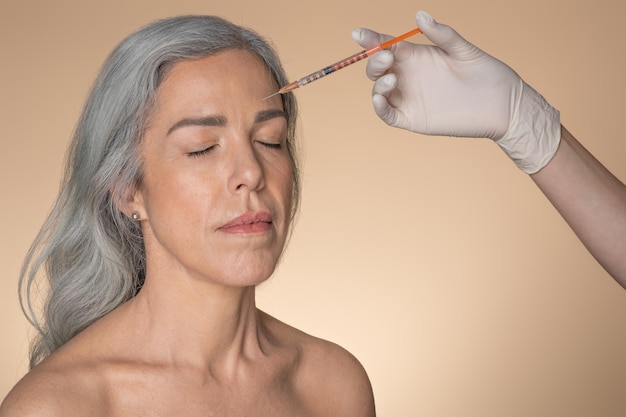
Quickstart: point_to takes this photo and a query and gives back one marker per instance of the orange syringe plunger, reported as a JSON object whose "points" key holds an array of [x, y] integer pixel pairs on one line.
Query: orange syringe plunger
{"points": [[342, 64]]}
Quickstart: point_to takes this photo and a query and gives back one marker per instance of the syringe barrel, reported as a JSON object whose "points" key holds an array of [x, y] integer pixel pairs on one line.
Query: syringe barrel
{"points": [[332, 68]]}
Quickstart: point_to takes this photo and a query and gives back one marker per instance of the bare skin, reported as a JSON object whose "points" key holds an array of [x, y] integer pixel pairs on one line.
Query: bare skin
{"points": [[192, 342], [278, 372], [591, 200]]}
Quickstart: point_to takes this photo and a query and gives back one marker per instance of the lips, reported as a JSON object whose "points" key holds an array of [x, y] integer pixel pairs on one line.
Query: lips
{"points": [[257, 222]]}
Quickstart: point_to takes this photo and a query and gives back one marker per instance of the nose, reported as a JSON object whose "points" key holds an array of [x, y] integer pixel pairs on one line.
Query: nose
{"points": [[246, 170]]}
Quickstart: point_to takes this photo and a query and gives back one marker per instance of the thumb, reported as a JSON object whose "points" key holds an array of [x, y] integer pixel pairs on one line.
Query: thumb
{"points": [[441, 35]]}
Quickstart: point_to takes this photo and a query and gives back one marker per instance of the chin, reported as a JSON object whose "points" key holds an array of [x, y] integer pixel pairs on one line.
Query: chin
{"points": [[249, 275]]}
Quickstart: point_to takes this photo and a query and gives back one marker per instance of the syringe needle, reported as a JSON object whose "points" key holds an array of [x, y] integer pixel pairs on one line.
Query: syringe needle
{"points": [[272, 95], [285, 89], [342, 64]]}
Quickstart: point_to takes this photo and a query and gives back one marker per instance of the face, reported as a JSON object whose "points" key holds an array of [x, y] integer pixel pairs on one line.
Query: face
{"points": [[215, 199]]}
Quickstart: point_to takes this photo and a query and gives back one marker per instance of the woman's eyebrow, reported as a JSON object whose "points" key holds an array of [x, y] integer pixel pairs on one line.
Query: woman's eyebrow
{"points": [[199, 121], [264, 115], [221, 121]]}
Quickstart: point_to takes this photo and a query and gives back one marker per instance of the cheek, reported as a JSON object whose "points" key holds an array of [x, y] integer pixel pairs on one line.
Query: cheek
{"points": [[285, 182], [167, 192]]}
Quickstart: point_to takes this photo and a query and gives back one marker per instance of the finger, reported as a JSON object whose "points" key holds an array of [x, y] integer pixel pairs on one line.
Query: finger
{"points": [[384, 110], [378, 64], [385, 85], [368, 38], [441, 35]]}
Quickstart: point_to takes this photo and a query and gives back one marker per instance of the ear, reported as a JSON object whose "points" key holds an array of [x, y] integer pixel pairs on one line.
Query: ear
{"points": [[129, 200]]}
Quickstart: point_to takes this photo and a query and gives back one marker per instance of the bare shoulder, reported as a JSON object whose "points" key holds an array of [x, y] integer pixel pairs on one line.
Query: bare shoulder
{"points": [[344, 388], [333, 380], [48, 391], [34, 395]]}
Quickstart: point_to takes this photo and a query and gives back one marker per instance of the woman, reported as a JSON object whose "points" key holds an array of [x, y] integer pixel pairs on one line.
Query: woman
{"points": [[180, 190]]}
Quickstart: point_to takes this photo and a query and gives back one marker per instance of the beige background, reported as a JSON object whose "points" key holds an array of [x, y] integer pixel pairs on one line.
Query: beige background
{"points": [[434, 260]]}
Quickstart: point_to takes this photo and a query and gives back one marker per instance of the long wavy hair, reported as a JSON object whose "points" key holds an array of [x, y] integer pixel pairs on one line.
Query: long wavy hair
{"points": [[89, 254]]}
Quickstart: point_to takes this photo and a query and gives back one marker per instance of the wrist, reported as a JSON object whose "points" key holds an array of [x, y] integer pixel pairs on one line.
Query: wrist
{"points": [[534, 131]]}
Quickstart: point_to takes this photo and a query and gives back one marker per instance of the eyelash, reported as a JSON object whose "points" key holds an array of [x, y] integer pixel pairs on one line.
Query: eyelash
{"points": [[272, 145], [207, 150], [200, 153]]}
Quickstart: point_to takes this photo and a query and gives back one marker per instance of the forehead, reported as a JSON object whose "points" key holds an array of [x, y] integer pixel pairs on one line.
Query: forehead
{"points": [[232, 68], [232, 82]]}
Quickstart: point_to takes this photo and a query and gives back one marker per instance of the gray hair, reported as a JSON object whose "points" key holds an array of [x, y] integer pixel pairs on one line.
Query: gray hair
{"points": [[90, 252]]}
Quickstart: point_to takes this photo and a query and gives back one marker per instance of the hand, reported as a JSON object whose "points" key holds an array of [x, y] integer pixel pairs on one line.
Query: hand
{"points": [[452, 88]]}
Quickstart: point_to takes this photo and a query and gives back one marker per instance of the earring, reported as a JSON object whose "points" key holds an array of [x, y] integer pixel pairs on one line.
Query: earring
{"points": [[135, 216]]}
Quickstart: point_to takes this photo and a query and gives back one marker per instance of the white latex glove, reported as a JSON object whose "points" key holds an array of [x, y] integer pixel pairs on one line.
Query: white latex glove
{"points": [[452, 88]]}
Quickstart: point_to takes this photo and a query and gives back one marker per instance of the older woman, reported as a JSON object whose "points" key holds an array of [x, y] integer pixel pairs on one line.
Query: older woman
{"points": [[179, 193]]}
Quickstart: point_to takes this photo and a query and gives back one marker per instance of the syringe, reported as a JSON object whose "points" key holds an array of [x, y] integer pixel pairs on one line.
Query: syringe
{"points": [[342, 64]]}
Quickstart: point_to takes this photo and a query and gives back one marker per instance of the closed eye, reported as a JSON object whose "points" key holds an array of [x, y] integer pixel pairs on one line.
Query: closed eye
{"points": [[272, 145], [201, 152]]}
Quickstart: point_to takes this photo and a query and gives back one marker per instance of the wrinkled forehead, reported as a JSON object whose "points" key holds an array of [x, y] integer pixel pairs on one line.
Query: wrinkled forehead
{"points": [[231, 76]]}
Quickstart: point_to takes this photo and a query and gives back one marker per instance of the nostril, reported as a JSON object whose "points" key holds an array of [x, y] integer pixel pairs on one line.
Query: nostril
{"points": [[248, 176]]}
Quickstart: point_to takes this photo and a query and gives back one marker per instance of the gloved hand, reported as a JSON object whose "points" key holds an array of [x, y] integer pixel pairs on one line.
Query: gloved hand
{"points": [[452, 88]]}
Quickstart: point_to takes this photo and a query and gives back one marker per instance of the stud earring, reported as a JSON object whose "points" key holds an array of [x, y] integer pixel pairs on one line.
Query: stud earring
{"points": [[135, 216]]}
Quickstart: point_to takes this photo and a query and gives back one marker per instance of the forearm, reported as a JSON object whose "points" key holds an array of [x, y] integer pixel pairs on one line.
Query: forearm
{"points": [[591, 200]]}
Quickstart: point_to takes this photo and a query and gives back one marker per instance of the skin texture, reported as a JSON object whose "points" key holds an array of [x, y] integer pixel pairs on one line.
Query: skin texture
{"points": [[591, 200], [192, 342]]}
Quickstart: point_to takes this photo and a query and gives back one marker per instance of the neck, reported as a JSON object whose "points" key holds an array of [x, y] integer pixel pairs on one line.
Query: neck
{"points": [[197, 323]]}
